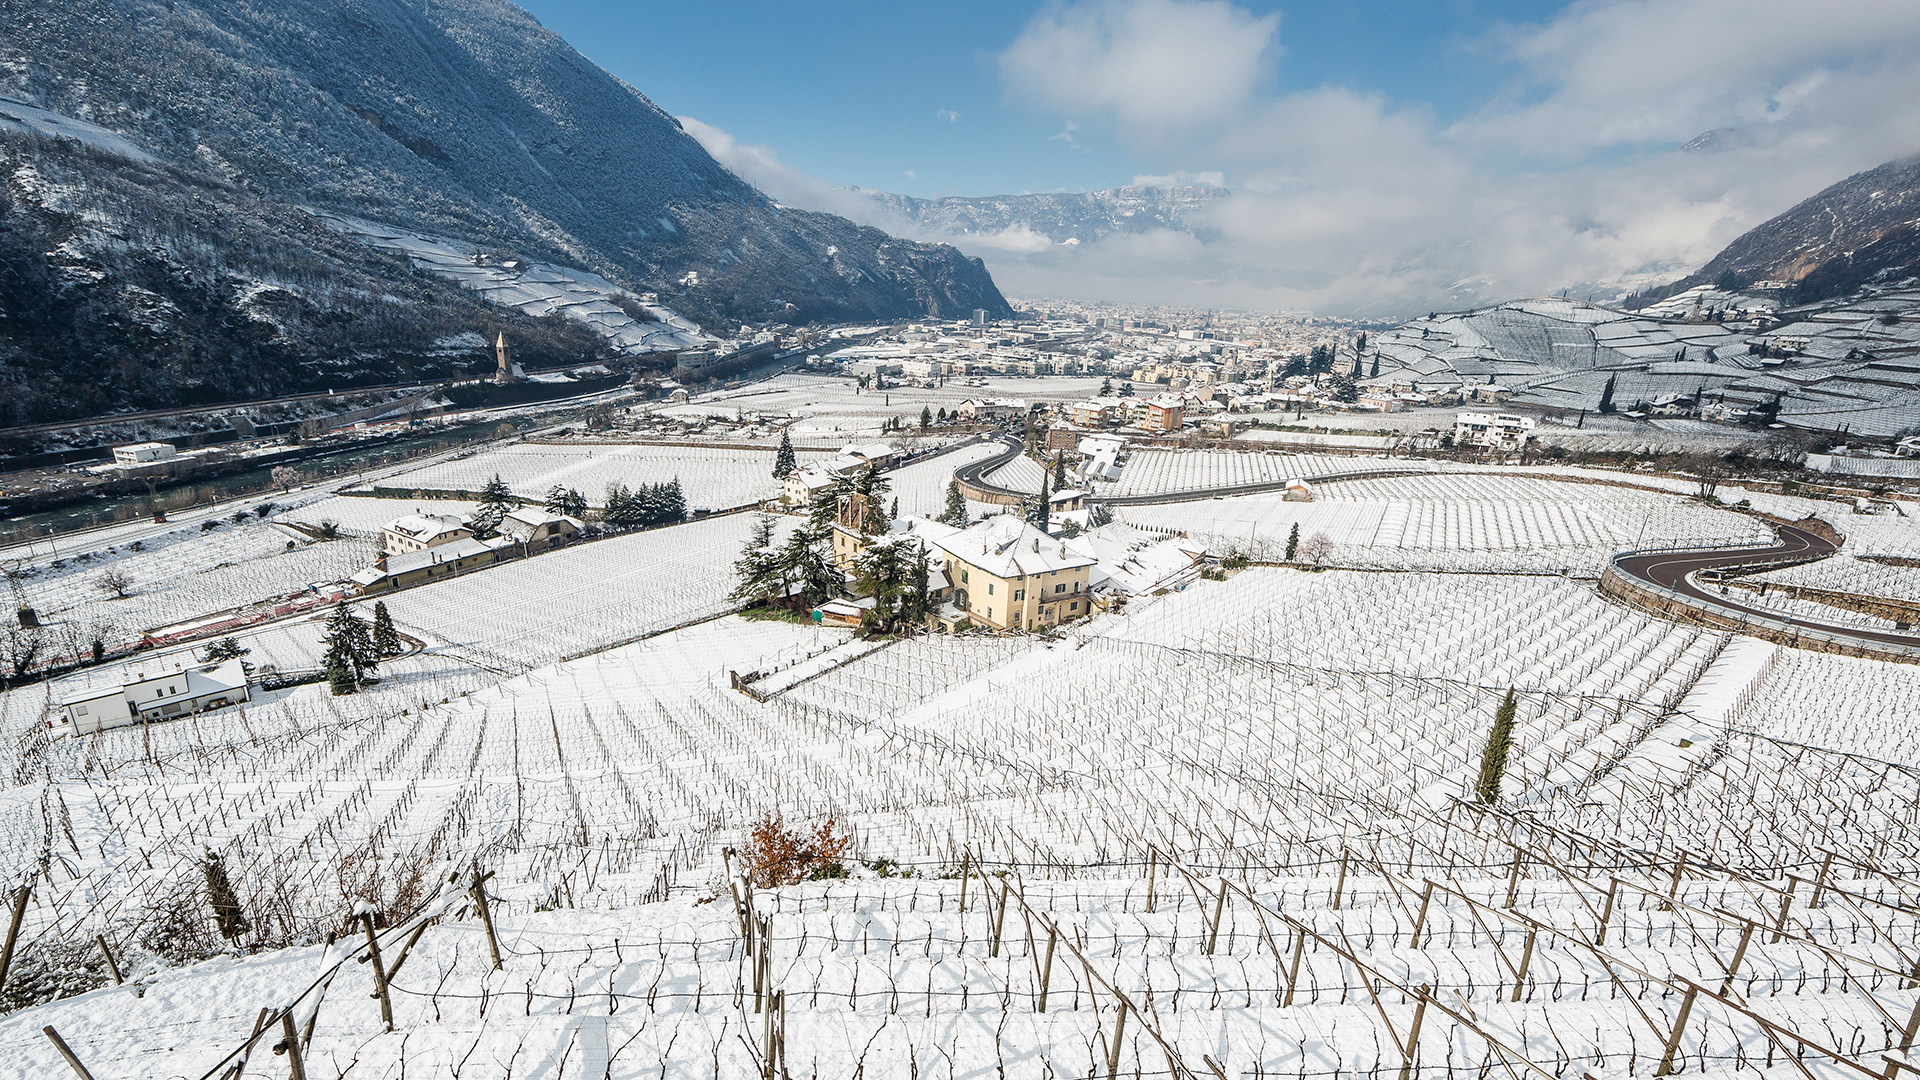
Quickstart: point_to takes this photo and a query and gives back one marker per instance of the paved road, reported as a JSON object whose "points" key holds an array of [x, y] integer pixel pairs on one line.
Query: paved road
{"points": [[1670, 569]]}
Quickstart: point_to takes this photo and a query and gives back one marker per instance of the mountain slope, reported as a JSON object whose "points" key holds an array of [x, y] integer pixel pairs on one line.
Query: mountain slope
{"points": [[1862, 228], [463, 118]]}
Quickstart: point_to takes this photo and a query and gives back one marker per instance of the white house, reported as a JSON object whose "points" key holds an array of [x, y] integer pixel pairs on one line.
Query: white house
{"points": [[1494, 431], [539, 528], [145, 696], [416, 532]]}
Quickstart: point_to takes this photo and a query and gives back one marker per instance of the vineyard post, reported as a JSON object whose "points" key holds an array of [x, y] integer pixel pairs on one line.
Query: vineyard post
{"points": [[1340, 883], [1293, 969], [13, 930], [1113, 1050], [1786, 904], [1739, 954], [379, 970], [1046, 973], [1820, 883], [1413, 1032], [479, 891], [1526, 958], [289, 1045], [1219, 906], [966, 856], [113, 966], [999, 917], [1420, 921], [1513, 878], [1153, 864], [66, 1051], [1680, 867], [246, 1051], [1679, 1029], [1606, 913], [1913, 1027]]}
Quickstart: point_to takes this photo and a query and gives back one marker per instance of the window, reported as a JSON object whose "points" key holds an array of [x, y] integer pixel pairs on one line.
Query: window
{"points": [[1019, 595], [963, 577], [1062, 587], [1075, 606], [80, 710], [989, 588]]}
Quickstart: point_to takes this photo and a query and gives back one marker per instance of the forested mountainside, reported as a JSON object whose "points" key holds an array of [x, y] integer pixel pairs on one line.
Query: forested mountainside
{"points": [[456, 118]]}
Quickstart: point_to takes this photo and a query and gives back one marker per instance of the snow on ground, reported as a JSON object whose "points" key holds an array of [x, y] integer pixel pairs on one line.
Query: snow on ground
{"points": [[1454, 521], [532, 611], [1307, 742], [711, 477], [833, 409]]}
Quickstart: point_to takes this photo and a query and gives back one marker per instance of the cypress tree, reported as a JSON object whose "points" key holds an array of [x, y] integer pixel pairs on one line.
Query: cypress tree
{"points": [[1493, 763], [1042, 509], [226, 906], [1059, 469], [386, 640], [783, 463], [1374, 373], [1606, 395], [1293, 541], [926, 418]]}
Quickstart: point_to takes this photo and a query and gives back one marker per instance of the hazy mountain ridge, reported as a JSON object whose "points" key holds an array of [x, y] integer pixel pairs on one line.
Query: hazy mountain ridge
{"points": [[1060, 217], [458, 118], [1863, 228]]}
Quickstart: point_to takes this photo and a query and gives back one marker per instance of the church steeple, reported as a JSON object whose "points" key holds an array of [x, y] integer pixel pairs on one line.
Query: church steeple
{"points": [[503, 373]]}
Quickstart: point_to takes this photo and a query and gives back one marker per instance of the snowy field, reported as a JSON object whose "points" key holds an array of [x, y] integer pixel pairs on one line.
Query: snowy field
{"points": [[1162, 472], [832, 410], [1229, 831], [1455, 522], [713, 478], [533, 611]]}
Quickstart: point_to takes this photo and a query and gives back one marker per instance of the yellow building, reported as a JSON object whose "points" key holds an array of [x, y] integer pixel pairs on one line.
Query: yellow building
{"points": [[1008, 575]]}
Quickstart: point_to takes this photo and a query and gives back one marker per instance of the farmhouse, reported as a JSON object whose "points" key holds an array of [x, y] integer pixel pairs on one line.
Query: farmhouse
{"points": [[416, 532], [539, 529], [161, 695], [430, 564]]}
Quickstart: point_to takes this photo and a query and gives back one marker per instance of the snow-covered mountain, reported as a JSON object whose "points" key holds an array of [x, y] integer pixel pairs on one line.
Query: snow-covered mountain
{"points": [[172, 147], [1864, 228]]}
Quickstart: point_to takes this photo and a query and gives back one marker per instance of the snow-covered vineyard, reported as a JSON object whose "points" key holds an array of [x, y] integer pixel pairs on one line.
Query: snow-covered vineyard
{"points": [[1228, 831]]}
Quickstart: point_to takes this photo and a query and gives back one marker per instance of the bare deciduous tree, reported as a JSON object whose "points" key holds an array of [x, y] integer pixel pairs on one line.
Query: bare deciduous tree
{"points": [[116, 581]]}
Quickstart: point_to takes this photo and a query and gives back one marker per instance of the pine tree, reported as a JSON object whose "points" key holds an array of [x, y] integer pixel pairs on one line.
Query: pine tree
{"points": [[783, 463], [757, 572], [1493, 763], [926, 418], [350, 649], [956, 512], [1606, 395], [496, 499], [1106, 387], [567, 501], [1293, 542], [1059, 469], [881, 572], [386, 640], [804, 564]]}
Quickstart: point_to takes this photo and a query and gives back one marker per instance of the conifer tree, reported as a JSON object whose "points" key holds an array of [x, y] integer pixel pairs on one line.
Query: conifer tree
{"points": [[1606, 395], [1106, 387], [783, 463], [1042, 507], [567, 501], [227, 914], [926, 418], [496, 499], [386, 640], [1493, 762], [1059, 469], [1374, 372], [1293, 542], [350, 649], [805, 564], [757, 572], [956, 512]]}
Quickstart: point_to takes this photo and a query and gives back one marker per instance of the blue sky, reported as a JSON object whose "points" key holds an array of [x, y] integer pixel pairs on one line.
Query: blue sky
{"points": [[854, 92], [1381, 158]]}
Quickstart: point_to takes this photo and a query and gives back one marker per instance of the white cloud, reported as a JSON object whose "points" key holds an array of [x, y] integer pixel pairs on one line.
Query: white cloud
{"points": [[951, 116], [1182, 178], [1154, 67], [1345, 201]]}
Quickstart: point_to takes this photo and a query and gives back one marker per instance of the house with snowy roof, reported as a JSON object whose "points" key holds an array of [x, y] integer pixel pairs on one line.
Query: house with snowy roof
{"points": [[416, 532], [146, 695], [1008, 575]]}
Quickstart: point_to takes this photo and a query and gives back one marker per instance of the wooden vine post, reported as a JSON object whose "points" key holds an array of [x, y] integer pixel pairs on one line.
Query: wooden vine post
{"points": [[479, 893], [13, 930]]}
